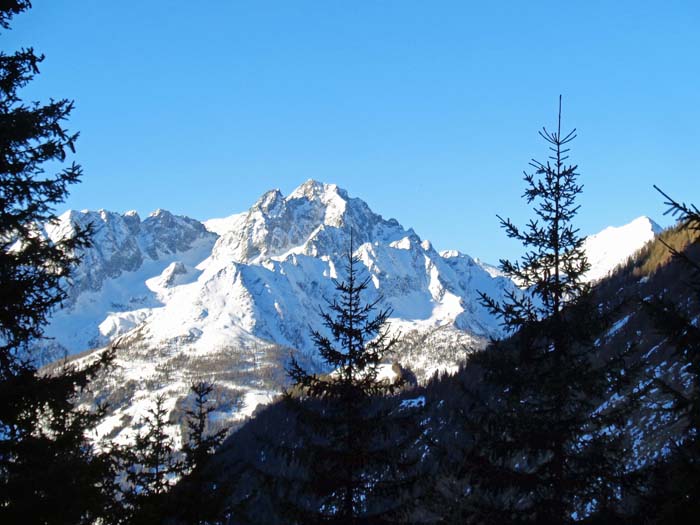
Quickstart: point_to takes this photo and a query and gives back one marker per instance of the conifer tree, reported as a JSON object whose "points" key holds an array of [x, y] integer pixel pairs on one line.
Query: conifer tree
{"points": [[150, 467], [675, 482], [540, 452], [46, 460], [198, 497], [32, 269], [200, 443], [351, 463]]}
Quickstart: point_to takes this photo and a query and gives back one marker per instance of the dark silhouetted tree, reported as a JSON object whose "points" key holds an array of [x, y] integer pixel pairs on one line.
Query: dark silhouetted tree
{"points": [[47, 462], [541, 450], [351, 461], [198, 497], [200, 443], [32, 268], [674, 495], [150, 467]]}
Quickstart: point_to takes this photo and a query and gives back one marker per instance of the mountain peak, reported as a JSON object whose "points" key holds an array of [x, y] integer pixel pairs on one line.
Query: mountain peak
{"points": [[269, 201], [160, 212], [315, 190], [315, 218], [613, 245], [646, 222]]}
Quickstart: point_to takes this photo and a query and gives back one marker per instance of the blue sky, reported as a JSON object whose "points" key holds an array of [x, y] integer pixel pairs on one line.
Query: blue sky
{"points": [[429, 111]]}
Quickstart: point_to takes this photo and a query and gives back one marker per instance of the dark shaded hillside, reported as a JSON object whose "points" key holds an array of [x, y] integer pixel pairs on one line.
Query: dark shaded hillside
{"points": [[245, 462], [652, 427]]}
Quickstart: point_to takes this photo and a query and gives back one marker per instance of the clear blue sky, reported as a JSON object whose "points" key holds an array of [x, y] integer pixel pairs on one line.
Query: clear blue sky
{"points": [[429, 111]]}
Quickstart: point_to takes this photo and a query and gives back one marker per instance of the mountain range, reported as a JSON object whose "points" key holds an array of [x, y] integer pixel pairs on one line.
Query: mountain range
{"points": [[228, 299]]}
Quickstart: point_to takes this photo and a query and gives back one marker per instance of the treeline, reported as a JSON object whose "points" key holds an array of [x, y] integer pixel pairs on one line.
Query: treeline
{"points": [[543, 426]]}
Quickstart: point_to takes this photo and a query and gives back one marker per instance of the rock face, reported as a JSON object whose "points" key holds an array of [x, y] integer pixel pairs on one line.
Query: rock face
{"points": [[122, 243], [109, 291]]}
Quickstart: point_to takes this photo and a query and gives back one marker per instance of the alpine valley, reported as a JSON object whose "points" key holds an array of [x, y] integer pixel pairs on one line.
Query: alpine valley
{"points": [[229, 299]]}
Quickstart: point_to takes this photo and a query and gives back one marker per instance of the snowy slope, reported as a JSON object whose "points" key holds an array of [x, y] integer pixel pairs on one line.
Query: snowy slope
{"points": [[612, 246]]}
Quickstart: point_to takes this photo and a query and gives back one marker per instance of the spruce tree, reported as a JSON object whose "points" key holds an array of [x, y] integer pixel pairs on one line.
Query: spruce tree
{"points": [[352, 459], [46, 460], [674, 485], [198, 497], [539, 451], [150, 467], [200, 443], [32, 269]]}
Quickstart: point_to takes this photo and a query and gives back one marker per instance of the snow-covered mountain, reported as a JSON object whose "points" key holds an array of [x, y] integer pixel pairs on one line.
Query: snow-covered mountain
{"points": [[111, 291], [229, 298], [260, 275]]}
